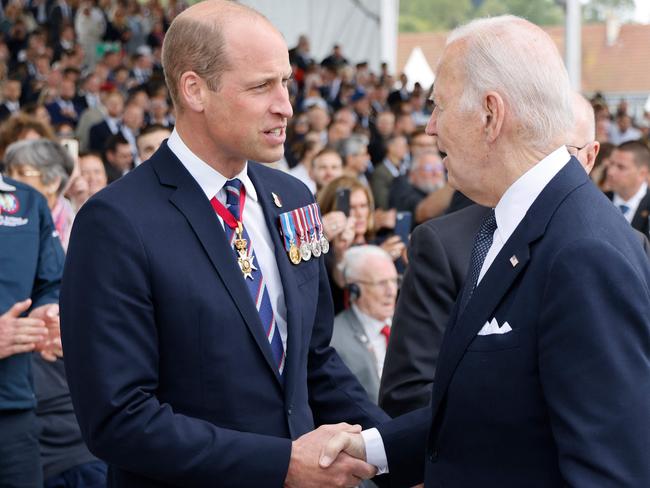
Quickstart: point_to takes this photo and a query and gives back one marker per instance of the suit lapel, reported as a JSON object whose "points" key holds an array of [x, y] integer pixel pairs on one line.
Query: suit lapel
{"points": [[265, 187], [190, 200], [501, 276], [640, 220]]}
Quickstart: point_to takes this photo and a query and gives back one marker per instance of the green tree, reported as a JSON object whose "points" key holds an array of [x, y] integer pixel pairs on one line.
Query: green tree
{"points": [[433, 15], [540, 12]]}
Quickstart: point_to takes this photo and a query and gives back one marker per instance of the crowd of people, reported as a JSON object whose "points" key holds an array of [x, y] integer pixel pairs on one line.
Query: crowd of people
{"points": [[84, 101]]}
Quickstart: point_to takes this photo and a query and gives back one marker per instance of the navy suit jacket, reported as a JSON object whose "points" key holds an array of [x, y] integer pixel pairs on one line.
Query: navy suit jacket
{"points": [[171, 375], [562, 399]]}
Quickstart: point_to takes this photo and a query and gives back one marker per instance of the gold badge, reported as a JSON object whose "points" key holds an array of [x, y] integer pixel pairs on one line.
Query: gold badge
{"points": [[294, 254]]}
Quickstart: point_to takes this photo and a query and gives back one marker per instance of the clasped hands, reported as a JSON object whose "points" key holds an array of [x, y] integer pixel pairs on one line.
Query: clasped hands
{"points": [[330, 456], [39, 331]]}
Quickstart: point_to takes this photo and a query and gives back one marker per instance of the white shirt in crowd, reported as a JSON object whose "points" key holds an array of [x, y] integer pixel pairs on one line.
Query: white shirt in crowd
{"points": [[632, 204], [373, 327]]}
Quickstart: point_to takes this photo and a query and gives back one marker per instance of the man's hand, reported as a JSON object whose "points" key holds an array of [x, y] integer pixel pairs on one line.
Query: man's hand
{"points": [[20, 334], [50, 347], [342, 471], [348, 442]]}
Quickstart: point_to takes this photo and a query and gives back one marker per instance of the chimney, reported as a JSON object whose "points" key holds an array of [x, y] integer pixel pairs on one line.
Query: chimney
{"points": [[612, 28]]}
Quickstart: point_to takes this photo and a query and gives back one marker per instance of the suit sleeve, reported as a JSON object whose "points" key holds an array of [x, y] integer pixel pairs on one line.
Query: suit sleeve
{"points": [[594, 364], [110, 342], [425, 302]]}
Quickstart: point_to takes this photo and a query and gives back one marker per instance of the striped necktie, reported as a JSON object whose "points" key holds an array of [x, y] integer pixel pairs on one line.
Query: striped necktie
{"points": [[256, 283]]}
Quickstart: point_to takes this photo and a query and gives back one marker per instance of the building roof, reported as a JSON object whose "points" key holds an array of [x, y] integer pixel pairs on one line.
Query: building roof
{"points": [[622, 67]]}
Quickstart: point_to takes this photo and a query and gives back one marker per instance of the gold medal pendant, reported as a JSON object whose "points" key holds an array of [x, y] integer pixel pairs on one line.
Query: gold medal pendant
{"points": [[246, 265], [294, 253], [244, 261]]}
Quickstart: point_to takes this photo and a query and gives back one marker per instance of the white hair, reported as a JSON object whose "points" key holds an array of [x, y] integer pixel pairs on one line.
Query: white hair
{"points": [[354, 261], [518, 60]]}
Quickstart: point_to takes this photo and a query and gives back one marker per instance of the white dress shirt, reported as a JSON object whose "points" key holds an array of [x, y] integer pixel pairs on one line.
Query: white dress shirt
{"points": [[509, 213], [632, 203], [372, 328], [211, 182]]}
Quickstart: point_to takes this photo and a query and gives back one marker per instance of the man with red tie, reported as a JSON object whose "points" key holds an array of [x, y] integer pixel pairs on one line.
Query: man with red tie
{"points": [[196, 308], [361, 332]]}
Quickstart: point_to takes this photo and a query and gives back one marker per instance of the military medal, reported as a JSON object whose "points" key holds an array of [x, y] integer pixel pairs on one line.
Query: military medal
{"points": [[288, 232], [240, 244], [324, 243], [303, 238], [314, 243], [244, 260]]}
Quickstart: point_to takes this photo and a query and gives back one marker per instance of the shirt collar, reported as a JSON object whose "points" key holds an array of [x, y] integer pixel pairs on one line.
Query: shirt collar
{"points": [[636, 198], [208, 178], [371, 325], [519, 197]]}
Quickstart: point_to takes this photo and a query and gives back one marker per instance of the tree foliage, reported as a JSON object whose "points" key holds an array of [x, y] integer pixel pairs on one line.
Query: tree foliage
{"points": [[443, 15]]}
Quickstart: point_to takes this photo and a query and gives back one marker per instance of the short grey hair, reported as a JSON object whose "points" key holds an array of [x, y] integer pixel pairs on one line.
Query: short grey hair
{"points": [[48, 157], [354, 260], [353, 145], [518, 60]]}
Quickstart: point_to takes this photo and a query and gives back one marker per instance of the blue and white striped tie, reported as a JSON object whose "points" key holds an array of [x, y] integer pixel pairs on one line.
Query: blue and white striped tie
{"points": [[256, 286]]}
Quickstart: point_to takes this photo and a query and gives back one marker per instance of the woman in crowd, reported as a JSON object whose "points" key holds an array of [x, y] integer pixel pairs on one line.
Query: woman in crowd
{"points": [[358, 229], [46, 166]]}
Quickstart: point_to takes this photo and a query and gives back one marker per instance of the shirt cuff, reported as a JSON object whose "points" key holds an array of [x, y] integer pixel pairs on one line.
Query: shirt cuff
{"points": [[375, 451]]}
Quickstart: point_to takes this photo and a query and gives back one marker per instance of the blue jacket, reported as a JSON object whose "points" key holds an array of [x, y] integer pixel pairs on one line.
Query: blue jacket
{"points": [[563, 398], [31, 264], [171, 374]]}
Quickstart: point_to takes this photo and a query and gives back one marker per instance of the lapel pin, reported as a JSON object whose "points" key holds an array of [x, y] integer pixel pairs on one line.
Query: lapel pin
{"points": [[276, 200], [514, 261]]}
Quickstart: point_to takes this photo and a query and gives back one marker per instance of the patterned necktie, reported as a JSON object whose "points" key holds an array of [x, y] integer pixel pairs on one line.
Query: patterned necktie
{"points": [[257, 285], [624, 208], [482, 244]]}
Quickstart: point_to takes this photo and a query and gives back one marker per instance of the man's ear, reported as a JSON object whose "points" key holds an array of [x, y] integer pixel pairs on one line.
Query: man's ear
{"points": [[192, 89], [493, 113]]}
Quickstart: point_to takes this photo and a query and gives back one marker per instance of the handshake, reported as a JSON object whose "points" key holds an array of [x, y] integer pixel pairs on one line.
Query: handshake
{"points": [[330, 456]]}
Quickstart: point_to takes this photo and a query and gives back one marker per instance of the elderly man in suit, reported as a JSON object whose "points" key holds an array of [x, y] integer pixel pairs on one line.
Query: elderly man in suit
{"points": [[196, 312], [439, 253], [543, 377], [361, 332]]}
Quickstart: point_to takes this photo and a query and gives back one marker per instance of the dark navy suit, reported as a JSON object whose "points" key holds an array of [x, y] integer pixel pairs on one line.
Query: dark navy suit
{"points": [[171, 375], [562, 399]]}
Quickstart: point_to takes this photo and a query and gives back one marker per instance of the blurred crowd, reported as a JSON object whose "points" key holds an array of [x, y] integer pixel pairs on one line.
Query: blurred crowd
{"points": [[83, 101]]}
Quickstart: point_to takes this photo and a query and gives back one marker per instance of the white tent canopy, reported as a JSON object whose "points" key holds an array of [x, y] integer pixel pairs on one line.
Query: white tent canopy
{"points": [[366, 30], [417, 69]]}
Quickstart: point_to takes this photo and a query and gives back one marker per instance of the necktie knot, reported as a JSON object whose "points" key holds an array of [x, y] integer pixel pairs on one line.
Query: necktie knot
{"points": [[624, 208], [233, 189]]}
